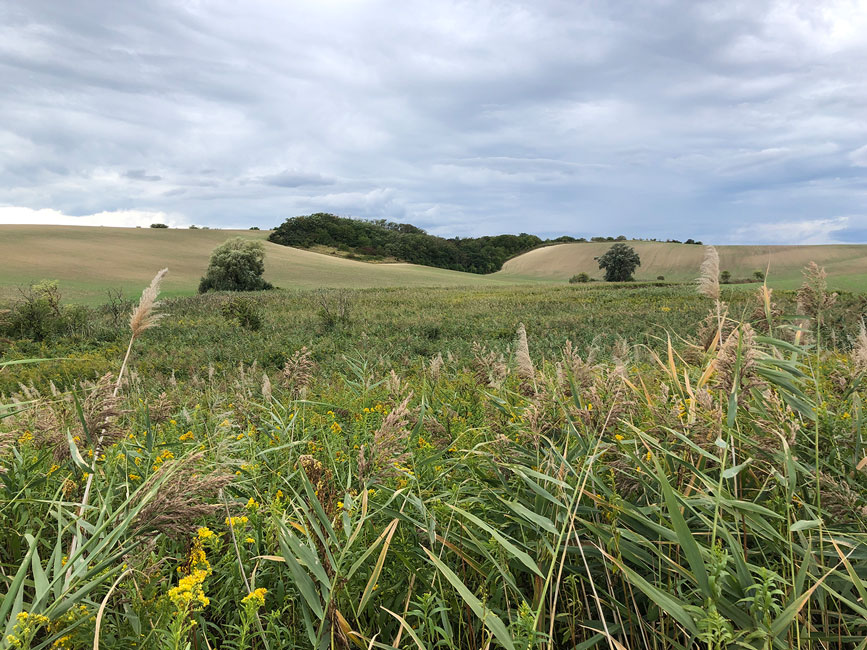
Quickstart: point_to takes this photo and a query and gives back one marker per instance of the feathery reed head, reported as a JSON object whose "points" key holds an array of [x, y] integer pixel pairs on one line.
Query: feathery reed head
{"points": [[522, 355], [859, 351], [813, 296], [144, 317], [388, 450], [182, 499], [708, 281], [298, 371]]}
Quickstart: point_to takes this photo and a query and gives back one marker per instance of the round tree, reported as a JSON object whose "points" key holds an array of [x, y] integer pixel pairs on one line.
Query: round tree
{"points": [[236, 265], [619, 263]]}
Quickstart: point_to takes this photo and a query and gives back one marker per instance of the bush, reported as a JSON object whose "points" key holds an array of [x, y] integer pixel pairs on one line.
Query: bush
{"points": [[244, 312], [236, 265], [158, 225], [580, 277], [759, 276], [619, 263], [335, 309], [38, 315], [725, 277], [660, 277]]}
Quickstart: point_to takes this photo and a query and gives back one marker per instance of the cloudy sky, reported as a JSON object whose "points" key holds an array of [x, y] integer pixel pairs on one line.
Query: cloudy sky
{"points": [[724, 121]]}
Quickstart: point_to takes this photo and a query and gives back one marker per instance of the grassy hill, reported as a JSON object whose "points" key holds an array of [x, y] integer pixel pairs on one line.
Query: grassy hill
{"points": [[89, 260], [846, 264]]}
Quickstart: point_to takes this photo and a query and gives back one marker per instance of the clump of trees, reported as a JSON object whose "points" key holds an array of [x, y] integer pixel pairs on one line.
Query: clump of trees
{"points": [[579, 278], [619, 263], [236, 265], [380, 238]]}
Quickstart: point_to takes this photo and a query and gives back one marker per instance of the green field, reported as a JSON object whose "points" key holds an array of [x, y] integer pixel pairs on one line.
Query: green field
{"points": [[390, 468], [846, 265]]}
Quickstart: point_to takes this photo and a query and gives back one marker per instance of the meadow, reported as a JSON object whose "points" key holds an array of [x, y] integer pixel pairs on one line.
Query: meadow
{"points": [[508, 467]]}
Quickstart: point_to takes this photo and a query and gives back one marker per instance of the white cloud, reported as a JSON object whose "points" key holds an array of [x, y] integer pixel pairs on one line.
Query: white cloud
{"points": [[462, 117], [859, 156], [812, 231], [118, 218]]}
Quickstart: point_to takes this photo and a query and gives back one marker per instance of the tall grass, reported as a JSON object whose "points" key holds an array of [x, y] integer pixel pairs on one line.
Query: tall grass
{"points": [[664, 494]]}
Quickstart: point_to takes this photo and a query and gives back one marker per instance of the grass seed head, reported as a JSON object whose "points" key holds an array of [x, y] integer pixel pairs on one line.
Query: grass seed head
{"points": [[708, 281], [181, 501], [144, 316], [813, 296]]}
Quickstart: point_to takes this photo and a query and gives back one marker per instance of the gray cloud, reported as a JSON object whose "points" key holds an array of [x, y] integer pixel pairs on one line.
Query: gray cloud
{"points": [[295, 179], [660, 119], [141, 175]]}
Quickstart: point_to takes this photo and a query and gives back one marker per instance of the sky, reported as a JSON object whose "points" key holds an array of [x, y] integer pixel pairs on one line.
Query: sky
{"points": [[725, 121]]}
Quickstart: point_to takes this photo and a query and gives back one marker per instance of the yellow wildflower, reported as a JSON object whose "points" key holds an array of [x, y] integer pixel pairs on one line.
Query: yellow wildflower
{"points": [[256, 597]]}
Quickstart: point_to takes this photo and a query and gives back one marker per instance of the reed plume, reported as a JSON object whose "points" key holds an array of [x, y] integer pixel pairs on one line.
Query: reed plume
{"points": [[813, 296], [298, 371], [708, 281], [522, 355], [143, 317], [859, 351], [389, 444], [181, 499]]}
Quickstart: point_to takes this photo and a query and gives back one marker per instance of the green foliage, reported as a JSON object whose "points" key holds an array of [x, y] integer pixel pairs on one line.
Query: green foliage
{"points": [[158, 225], [403, 241], [39, 315], [619, 263], [236, 265], [579, 278], [759, 276], [644, 495], [243, 311], [725, 277]]}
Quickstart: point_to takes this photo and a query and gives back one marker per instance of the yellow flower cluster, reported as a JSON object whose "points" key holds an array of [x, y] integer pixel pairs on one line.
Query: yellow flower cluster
{"points": [[189, 595], [255, 598], [336, 428], [252, 504], [25, 437], [235, 522], [204, 532], [187, 436], [164, 455], [26, 625]]}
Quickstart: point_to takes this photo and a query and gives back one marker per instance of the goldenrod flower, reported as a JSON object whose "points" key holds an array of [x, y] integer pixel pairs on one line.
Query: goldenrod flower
{"points": [[255, 598]]}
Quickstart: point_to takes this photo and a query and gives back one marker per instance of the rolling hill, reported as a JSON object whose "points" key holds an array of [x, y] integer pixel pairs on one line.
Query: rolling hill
{"points": [[846, 265], [89, 260]]}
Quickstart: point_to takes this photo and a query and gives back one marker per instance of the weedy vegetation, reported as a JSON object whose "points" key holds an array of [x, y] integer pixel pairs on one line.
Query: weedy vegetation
{"points": [[520, 467]]}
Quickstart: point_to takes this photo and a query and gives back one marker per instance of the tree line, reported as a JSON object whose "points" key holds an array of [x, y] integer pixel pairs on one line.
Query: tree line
{"points": [[380, 239]]}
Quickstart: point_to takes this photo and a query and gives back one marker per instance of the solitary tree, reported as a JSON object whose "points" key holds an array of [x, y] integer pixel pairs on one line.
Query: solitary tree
{"points": [[619, 263], [236, 265]]}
